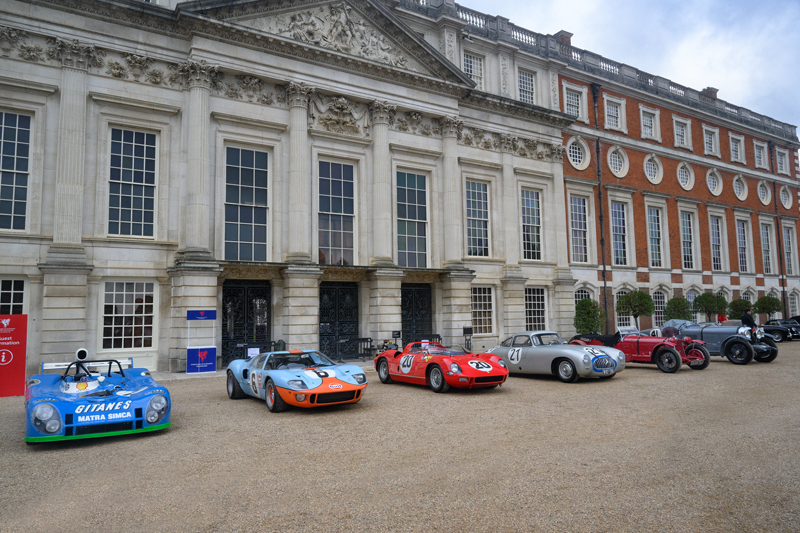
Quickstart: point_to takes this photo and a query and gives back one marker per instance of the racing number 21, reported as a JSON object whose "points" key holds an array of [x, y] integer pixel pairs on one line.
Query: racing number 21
{"points": [[514, 355]]}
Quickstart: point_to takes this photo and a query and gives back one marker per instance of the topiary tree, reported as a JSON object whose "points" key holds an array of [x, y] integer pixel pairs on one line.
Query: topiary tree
{"points": [[679, 308], [737, 307], [588, 316], [635, 304], [711, 305], [769, 305]]}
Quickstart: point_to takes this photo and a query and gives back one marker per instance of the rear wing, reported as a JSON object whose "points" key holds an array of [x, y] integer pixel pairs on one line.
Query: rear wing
{"points": [[88, 364]]}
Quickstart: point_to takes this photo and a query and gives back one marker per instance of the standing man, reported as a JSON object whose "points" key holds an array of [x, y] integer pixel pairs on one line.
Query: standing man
{"points": [[747, 319]]}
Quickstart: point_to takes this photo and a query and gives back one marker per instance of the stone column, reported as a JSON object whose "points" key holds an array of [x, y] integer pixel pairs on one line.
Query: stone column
{"points": [[563, 305], [385, 299], [75, 60], [299, 176], [193, 288], [196, 247], [510, 205], [456, 305], [382, 243], [301, 318], [453, 201]]}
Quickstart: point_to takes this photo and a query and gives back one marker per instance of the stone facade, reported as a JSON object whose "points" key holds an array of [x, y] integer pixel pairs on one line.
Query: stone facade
{"points": [[165, 151]]}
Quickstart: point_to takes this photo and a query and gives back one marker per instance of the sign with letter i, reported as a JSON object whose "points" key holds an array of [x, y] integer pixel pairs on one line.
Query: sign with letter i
{"points": [[13, 338]]}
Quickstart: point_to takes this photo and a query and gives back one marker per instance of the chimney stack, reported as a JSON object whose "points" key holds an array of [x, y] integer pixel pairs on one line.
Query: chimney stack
{"points": [[711, 92], [564, 37]]}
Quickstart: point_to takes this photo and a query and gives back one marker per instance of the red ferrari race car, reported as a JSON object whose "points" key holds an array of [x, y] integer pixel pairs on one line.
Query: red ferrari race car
{"points": [[668, 353], [430, 363]]}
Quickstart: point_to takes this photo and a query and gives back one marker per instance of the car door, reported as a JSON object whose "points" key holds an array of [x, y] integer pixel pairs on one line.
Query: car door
{"points": [[255, 378], [540, 357], [519, 354]]}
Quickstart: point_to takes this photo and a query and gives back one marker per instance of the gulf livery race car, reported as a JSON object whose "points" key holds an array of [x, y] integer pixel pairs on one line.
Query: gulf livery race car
{"points": [[83, 403], [304, 378], [440, 367]]}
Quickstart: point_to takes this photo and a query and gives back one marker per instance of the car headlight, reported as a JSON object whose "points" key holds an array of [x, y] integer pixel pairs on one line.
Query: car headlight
{"points": [[759, 332], [621, 357], [297, 384], [502, 363], [360, 378], [454, 368], [45, 418], [156, 409], [586, 359]]}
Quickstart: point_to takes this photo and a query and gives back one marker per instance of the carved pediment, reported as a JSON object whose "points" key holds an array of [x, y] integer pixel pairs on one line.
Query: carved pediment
{"points": [[364, 29], [336, 26]]}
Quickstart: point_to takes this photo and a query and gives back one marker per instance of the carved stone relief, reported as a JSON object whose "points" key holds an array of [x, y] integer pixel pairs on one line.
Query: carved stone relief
{"points": [[11, 38], [504, 142], [337, 114], [117, 69], [337, 27], [504, 74], [554, 90], [413, 122], [191, 73], [137, 64], [74, 54]]}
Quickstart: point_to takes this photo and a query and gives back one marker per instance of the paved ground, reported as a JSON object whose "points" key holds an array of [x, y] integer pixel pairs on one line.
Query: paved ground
{"points": [[714, 450]]}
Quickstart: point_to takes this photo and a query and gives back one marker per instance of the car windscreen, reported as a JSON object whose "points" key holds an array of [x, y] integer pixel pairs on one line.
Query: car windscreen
{"points": [[549, 338], [435, 348], [288, 361]]}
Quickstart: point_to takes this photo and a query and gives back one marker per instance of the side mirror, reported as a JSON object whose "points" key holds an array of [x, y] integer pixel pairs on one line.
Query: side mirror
{"points": [[81, 354]]}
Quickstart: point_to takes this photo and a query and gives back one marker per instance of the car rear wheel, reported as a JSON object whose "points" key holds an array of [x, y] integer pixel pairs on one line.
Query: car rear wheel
{"points": [[739, 352], [275, 403], [778, 336], [235, 392], [383, 371], [566, 371], [700, 350], [668, 360], [771, 356], [436, 379]]}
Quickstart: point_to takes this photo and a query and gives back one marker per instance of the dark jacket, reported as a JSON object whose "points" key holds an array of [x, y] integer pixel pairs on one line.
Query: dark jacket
{"points": [[747, 320]]}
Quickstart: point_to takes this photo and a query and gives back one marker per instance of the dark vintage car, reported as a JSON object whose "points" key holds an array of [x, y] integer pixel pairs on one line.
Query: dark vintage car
{"points": [[792, 325], [739, 344]]}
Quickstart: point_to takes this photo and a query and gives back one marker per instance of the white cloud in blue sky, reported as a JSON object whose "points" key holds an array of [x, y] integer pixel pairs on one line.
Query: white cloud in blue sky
{"points": [[748, 50]]}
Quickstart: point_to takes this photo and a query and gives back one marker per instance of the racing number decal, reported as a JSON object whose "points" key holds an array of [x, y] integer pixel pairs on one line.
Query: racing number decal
{"points": [[315, 373], [405, 363], [254, 383], [514, 355], [480, 365]]}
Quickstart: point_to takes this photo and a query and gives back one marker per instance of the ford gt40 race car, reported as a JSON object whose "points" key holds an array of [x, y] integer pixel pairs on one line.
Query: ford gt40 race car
{"points": [[440, 367], [300, 378], [93, 399]]}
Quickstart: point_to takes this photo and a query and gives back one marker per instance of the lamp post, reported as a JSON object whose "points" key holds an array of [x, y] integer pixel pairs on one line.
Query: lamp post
{"points": [[595, 94]]}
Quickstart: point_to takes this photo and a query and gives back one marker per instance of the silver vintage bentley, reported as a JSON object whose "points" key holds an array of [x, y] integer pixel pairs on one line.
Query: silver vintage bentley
{"points": [[545, 352]]}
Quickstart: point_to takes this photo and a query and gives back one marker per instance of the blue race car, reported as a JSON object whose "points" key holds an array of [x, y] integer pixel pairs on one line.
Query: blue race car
{"points": [[82, 404], [300, 378]]}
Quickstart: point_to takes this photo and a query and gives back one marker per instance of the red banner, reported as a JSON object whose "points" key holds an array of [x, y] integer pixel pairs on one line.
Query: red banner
{"points": [[13, 335]]}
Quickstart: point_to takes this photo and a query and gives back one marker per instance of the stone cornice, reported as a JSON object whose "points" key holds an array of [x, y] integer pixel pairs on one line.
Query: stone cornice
{"points": [[624, 188], [479, 163], [27, 86], [513, 108], [144, 105], [339, 137], [656, 194], [424, 152], [248, 121], [580, 181], [688, 200]]}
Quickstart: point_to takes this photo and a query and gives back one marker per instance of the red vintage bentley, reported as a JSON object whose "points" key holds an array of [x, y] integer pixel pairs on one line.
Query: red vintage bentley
{"points": [[668, 353], [440, 367]]}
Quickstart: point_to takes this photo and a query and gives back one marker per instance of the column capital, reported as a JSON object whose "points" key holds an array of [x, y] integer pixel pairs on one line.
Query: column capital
{"points": [[297, 94], [382, 112], [451, 126], [192, 73], [74, 54]]}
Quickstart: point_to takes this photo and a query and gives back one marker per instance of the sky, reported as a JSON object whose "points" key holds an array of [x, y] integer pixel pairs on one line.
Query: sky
{"points": [[748, 49]]}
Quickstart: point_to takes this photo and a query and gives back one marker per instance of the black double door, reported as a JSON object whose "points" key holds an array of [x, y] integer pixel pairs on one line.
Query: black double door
{"points": [[417, 312], [338, 319], [246, 317]]}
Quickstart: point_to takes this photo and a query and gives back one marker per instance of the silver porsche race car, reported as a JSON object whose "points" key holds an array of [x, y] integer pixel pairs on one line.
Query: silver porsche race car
{"points": [[545, 352]]}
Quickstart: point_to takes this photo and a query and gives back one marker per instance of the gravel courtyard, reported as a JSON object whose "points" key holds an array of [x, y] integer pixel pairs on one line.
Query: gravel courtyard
{"points": [[711, 450]]}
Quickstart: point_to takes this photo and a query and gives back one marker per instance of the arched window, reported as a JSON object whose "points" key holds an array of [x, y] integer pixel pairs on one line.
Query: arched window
{"points": [[660, 301], [622, 321], [691, 295], [582, 294]]}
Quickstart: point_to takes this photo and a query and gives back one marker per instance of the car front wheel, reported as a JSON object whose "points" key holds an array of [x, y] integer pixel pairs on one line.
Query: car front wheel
{"points": [[739, 352], [383, 371], [235, 392], [566, 371], [275, 403], [437, 381], [700, 350], [778, 336], [668, 360]]}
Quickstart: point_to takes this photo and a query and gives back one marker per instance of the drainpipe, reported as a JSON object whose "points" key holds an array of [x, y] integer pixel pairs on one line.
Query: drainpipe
{"points": [[778, 227], [595, 93]]}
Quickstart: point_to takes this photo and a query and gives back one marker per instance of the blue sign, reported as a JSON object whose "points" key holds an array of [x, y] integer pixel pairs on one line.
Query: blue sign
{"points": [[201, 359], [209, 314]]}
